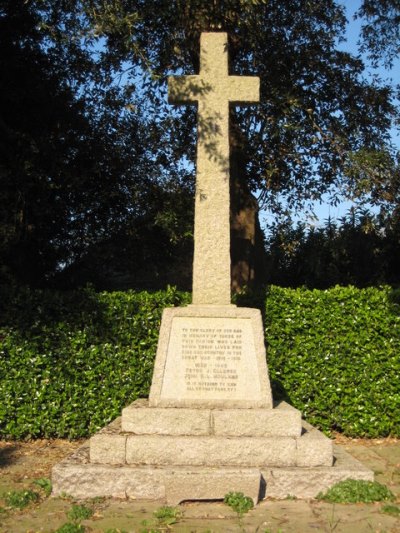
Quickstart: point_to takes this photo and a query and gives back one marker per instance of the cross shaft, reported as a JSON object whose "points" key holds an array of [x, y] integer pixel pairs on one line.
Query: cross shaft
{"points": [[212, 90]]}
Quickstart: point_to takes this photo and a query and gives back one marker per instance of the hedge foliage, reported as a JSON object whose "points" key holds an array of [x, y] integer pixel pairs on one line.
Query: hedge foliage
{"points": [[335, 355], [70, 361]]}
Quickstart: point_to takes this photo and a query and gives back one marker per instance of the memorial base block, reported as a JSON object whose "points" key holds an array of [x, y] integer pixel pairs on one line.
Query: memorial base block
{"points": [[211, 356], [209, 426], [207, 453]]}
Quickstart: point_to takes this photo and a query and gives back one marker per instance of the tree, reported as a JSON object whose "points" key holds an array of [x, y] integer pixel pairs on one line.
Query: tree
{"points": [[40, 123], [359, 249], [76, 169], [318, 111], [317, 117], [380, 30]]}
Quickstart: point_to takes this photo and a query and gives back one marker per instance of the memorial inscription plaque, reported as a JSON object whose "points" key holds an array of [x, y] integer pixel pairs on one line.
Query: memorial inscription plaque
{"points": [[205, 359]]}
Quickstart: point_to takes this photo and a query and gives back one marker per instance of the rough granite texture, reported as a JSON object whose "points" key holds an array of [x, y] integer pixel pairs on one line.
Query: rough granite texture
{"points": [[212, 90], [140, 419], [312, 448], [284, 421], [168, 388], [309, 482], [77, 477], [210, 451], [210, 484]]}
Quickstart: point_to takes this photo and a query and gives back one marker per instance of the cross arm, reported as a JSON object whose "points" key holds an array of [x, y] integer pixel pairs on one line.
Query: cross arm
{"points": [[244, 89], [186, 89]]}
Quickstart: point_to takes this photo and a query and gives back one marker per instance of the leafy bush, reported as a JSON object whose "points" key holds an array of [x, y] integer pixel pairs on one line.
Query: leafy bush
{"points": [[70, 361], [357, 491], [334, 354]]}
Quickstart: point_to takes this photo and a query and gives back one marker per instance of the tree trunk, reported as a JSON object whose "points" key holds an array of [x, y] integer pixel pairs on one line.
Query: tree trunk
{"points": [[248, 261]]}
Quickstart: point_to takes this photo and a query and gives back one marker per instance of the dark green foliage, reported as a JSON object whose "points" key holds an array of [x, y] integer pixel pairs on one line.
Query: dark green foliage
{"points": [[360, 249], [334, 355], [357, 491], [70, 361], [97, 169], [83, 195]]}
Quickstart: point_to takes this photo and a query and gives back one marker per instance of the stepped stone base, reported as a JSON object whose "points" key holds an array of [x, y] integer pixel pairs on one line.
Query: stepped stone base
{"points": [[140, 419], [113, 446], [206, 453], [79, 478]]}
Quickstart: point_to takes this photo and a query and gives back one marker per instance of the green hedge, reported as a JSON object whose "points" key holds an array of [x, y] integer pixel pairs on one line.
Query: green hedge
{"points": [[335, 355], [69, 362]]}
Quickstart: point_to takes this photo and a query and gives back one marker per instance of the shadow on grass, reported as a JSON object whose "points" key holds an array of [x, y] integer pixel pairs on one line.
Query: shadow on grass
{"points": [[7, 456]]}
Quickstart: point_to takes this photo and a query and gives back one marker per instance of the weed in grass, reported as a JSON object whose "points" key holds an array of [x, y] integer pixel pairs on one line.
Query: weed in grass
{"points": [[79, 513], [45, 484], [66, 496], [166, 516], [391, 509], [149, 527], [356, 491], [19, 499], [99, 499], [69, 527], [115, 530], [240, 503]]}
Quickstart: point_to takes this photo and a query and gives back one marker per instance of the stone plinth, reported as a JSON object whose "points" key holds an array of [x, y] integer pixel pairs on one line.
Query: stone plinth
{"points": [[211, 356], [308, 447], [173, 468], [140, 419]]}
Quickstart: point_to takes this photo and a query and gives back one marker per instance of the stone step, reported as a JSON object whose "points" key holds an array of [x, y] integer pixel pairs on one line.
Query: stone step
{"points": [[79, 478], [140, 419], [111, 446]]}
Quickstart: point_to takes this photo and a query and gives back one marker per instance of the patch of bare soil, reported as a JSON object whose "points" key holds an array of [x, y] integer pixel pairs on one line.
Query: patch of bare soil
{"points": [[38, 455]]}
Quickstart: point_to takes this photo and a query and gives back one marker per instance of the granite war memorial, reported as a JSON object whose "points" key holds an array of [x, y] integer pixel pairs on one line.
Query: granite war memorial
{"points": [[210, 425]]}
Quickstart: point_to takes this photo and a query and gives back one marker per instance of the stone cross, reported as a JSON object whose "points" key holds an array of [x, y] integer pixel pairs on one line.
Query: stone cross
{"points": [[213, 90]]}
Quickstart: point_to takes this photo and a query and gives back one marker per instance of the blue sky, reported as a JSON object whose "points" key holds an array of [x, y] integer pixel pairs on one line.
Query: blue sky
{"points": [[324, 210]]}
